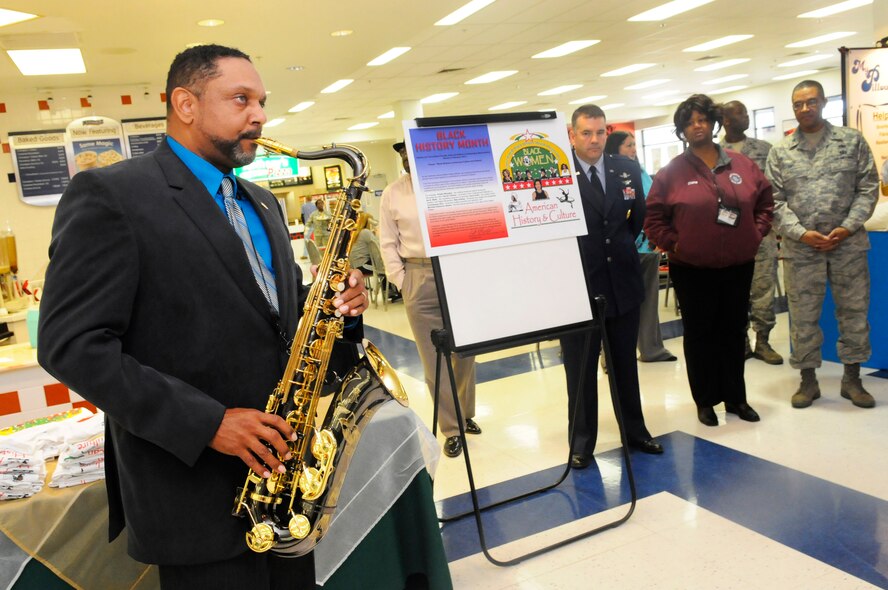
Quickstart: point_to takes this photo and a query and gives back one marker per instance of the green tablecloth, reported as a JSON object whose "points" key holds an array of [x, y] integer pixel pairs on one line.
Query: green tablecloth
{"points": [[385, 529], [404, 550]]}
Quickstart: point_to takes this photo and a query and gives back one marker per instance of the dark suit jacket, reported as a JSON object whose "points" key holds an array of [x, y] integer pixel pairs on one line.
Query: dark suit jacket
{"points": [[608, 250], [152, 313]]}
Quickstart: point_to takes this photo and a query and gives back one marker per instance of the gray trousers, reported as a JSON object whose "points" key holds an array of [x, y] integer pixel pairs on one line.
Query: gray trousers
{"points": [[806, 273], [424, 314], [762, 303], [650, 340]]}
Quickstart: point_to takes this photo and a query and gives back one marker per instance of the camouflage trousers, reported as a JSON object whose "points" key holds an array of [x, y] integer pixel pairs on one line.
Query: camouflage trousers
{"points": [[762, 304], [806, 274]]}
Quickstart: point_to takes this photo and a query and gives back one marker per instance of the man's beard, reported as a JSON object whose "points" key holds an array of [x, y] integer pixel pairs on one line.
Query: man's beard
{"points": [[232, 149]]}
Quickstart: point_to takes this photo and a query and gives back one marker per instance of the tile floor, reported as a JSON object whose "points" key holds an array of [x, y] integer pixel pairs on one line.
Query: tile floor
{"points": [[798, 500]]}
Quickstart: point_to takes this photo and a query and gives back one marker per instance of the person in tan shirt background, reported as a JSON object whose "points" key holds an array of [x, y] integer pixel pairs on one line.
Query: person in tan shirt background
{"points": [[408, 267]]}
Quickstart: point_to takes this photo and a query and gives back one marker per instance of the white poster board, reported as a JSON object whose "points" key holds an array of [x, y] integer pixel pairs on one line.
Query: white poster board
{"points": [[866, 97], [525, 291]]}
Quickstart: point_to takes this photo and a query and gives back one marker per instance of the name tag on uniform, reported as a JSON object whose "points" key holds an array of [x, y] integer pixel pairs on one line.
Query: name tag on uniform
{"points": [[628, 193]]}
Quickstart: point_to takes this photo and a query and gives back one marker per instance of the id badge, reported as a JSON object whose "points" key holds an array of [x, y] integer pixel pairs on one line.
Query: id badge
{"points": [[728, 215]]}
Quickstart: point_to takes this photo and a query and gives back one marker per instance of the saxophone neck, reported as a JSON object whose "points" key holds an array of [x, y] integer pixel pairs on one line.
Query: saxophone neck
{"points": [[348, 153]]}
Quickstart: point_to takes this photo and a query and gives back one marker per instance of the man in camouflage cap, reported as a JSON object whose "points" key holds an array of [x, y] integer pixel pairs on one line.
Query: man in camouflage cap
{"points": [[825, 187], [764, 279]]}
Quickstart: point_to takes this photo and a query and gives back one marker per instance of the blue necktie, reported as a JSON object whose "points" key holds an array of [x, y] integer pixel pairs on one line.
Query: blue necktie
{"points": [[263, 276]]}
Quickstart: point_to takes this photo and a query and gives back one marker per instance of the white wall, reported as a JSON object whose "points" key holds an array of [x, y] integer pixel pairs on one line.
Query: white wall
{"points": [[32, 225]]}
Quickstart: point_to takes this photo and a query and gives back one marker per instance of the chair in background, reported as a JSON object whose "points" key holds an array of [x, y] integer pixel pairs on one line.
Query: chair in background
{"points": [[314, 254], [378, 277]]}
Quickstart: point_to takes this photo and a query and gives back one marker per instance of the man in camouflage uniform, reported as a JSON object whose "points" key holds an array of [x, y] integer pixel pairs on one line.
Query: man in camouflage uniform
{"points": [[764, 277], [825, 187]]}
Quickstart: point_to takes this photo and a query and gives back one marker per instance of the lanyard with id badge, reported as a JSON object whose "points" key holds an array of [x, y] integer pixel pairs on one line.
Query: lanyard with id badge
{"points": [[726, 215]]}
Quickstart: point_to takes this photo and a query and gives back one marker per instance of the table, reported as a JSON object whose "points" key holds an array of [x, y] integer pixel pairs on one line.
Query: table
{"points": [[386, 524]]}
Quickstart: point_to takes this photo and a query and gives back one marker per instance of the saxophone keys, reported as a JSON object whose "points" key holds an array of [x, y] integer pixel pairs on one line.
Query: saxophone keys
{"points": [[310, 482], [337, 283], [299, 526], [260, 538]]}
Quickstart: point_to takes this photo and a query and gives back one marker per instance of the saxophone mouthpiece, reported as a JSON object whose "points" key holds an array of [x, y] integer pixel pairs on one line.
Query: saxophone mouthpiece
{"points": [[276, 146]]}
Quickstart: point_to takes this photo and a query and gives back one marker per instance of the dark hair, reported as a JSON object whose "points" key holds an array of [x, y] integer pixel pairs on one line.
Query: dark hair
{"points": [[592, 111], [614, 141], [701, 104], [193, 67], [810, 84]]}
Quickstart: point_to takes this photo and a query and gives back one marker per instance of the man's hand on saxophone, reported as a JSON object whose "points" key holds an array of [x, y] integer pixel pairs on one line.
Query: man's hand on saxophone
{"points": [[244, 433], [354, 300]]}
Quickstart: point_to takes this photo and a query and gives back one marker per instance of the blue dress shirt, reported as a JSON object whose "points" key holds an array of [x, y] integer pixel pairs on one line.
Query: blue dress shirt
{"points": [[211, 177]]}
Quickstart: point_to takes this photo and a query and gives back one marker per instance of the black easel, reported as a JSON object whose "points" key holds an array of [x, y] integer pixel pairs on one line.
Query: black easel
{"points": [[441, 340]]}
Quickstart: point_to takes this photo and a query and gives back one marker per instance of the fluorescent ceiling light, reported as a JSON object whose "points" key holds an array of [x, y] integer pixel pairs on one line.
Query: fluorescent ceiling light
{"points": [[722, 64], [728, 89], [588, 99], [274, 122], [822, 39], [661, 94], [360, 126], [341, 33], [336, 86], [721, 42], [211, 22], [647, 84], [835, 8], [440, 97], [10, 17], [795, 75], [724, 79], [388, 115], [559, 90], [627, 70], [301, 106], [463, 12], [388, 56], [804, 60], [612, 106], [566, 49], [492, 77], [669, 9], [507, 105], [47, 62]]}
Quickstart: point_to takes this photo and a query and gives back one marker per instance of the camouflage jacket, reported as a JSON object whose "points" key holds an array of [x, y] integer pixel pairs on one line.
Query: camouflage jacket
{"points": [[836, 186], [754, 149]]}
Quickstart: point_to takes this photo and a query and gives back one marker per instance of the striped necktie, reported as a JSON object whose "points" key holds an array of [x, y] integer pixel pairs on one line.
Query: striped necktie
{"points": [[235, 214]]}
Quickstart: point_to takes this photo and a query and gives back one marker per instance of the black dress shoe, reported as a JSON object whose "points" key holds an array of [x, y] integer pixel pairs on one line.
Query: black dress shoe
{"points": [[706, 415], [649, 446], [580, 461], [472, 427], [743, 410], [452, 446]]}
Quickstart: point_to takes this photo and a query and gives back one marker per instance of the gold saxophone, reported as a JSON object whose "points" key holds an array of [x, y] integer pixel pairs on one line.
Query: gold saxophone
{"points": [[290, 512]]}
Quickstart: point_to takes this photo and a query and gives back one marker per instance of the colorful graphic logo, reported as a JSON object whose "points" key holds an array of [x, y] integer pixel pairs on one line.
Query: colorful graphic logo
{"points": [[531, 157]]}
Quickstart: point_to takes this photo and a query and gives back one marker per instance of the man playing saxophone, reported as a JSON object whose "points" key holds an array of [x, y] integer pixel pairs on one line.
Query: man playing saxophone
{"points": [[171, 298]]}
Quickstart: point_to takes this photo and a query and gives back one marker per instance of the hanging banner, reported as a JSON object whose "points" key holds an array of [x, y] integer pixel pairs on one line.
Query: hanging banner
{"points": [[866, 97], [493, 184], [142, 136], [41, 165]]}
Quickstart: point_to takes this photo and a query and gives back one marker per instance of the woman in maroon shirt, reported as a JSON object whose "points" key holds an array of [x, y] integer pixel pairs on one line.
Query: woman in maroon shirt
{"points": [[709, 209]]}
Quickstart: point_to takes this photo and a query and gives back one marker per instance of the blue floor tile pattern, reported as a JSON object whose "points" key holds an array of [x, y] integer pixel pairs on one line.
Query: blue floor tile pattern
{"points": [[826, 521]]}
